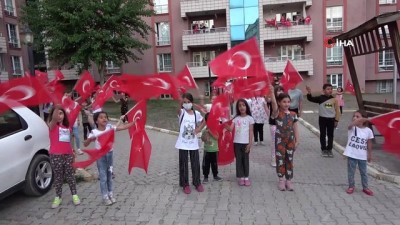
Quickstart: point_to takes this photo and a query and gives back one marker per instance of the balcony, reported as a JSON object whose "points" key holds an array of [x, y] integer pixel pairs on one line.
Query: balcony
{"points": [[69, 74], [209, 37], [3, 76], [303, 63], [113, 70], [198, 70], [284, 33], [281, 2], [3, 44], [202, 7], [9, 10]]}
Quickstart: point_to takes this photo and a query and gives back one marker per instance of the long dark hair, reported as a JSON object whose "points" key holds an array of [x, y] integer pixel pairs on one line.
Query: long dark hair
{"points": [[65, 121], [248, 112]]}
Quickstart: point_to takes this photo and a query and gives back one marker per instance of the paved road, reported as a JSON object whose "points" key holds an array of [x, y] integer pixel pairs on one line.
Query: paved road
{"points": [[155, 198], [386, 161]]}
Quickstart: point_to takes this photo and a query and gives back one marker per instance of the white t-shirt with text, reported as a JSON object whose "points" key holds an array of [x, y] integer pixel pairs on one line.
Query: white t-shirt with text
{"points": [[96, 133], [242, 129], [356, 146], [187, 139]]}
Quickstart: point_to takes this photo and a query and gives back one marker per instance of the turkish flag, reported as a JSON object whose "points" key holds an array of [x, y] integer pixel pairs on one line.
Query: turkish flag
{"points": [[220, 82], [186, 80], [226, 154], [112, 83], [72, 108], [28, 91], [242, 60], [251, 87], [219, 110], [106, 141], [140, 143], [389, 126], [103, 94], [290, 77], [85, 85], [349, 88], [149, 86], [42, 76]]}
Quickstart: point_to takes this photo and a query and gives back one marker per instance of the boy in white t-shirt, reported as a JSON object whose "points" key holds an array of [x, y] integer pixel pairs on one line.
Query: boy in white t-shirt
{"points": [[358, 150]]}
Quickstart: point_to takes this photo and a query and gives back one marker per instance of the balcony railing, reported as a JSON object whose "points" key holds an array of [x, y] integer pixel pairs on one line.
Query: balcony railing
{"points": [[199, 69], [280, 2], [113, 70], [206, 37], [334, 27], [284, 58], [385, 2], [205, 31], [9, 10], [334, 60], [303, 63], [161, 9], [163, 41], [197, 7]]}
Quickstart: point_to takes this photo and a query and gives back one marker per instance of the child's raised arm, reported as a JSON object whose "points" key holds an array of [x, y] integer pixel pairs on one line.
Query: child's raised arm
{"points": [[120, 126], [274, 105], [53, 120]]}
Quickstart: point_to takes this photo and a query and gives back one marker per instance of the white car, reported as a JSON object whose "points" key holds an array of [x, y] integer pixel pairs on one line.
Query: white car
{"points": [[24, 153]]}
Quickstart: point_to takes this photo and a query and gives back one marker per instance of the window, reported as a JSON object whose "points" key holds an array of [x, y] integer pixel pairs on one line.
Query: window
{"points": [[202, 58], [2, 65], [386, 60], [16, 65], [10, 123], [383, 2], [161, 6], [112, 67], [336, 80], [244, 19], [12, 35], [334, 19], [334, 56], [162, 33], [164, 63], [384, 86], [9, 7], [292, 52]]}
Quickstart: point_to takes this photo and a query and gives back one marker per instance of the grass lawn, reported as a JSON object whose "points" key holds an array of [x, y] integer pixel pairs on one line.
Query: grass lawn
{"points": [[160, 113]]}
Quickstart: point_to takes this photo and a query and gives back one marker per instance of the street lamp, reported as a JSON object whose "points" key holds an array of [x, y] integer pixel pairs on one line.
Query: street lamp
{"points": [[28, 40]]}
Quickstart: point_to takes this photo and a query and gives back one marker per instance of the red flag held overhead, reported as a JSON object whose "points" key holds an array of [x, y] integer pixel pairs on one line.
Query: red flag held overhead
{"points": [[291, 77], [85, 85], [349, 88]]}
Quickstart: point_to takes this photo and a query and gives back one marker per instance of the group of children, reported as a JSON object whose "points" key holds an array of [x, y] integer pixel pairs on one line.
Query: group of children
{"points": [[285, 141]]}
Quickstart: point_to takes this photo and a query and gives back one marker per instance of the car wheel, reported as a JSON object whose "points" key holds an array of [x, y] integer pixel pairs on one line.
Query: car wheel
{"points": [[39, 176]]}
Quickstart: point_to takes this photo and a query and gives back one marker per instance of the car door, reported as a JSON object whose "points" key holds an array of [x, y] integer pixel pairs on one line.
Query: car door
{"points": [[15, 149]]}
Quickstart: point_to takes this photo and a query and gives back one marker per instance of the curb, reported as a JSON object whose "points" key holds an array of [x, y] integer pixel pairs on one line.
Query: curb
{"points": [[373, 169], [154, 128]]}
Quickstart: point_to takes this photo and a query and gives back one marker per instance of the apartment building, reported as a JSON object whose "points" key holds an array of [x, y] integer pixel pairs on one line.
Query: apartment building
{"points": [[13, 52]]}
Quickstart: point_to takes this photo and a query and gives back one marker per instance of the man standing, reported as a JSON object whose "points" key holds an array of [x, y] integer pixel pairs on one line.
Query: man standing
{"points": [[329, 114], [296, 101]]}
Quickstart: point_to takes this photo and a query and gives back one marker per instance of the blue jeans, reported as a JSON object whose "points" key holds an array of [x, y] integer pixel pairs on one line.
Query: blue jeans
{"points": [[351, 169], [106, 182], [75, 132]]}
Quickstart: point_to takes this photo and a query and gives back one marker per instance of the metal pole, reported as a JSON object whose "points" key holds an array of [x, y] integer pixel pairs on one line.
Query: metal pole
{"points": [[35, 109], [209, 80], [395, 84]]}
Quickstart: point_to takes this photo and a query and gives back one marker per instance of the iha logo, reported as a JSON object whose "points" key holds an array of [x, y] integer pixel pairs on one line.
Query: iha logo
{"points": [[331, 42]]}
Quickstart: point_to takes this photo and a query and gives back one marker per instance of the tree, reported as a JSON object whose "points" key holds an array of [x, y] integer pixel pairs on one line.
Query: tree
{"points": [[89, 31]]}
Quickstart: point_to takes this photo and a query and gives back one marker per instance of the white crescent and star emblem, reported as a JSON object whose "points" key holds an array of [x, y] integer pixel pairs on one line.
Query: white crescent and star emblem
{"points": [[85, 83], [26, 90], [186, 78], [112, 84], [245, 56], [164, 85], [390, 124]]}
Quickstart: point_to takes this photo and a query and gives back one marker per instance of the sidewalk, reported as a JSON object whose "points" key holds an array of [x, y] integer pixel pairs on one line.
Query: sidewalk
{"points": [[156, 198]]}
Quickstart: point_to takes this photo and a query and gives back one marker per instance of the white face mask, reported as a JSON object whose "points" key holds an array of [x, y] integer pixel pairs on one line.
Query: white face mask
{"points": [[187, 106]]}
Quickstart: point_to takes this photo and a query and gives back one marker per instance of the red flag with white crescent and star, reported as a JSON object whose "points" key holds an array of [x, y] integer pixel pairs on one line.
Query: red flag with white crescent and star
{"points": [[186, 79], [388, 126], [226, 153], [85, 85], [219, 111], [72, 108], [251, 87], [349, 88], [242, 60], [291, 77]]}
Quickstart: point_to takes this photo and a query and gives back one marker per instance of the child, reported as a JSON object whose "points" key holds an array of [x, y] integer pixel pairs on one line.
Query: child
{"points": [[210, 153], [258, 108], [85, 119], [358, 150], [329, 115], [243, 140], [188, 143], [272, 125], [339, 98], [61, 154], [286, 139], [104, 164]]}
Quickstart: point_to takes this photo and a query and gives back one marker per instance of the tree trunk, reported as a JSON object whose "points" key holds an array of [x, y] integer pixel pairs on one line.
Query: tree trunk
{"points": [[101, 73]]}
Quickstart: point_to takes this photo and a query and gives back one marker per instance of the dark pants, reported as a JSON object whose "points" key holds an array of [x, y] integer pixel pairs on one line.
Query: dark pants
{"points": [[296, 110], [258, 131], [210, 159], [326, 127], [242, 160], [62, 169], [86, 128], [341, 109], [184, 167], [45, 116]]}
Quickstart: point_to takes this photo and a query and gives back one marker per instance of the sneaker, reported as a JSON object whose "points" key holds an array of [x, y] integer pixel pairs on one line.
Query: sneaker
{"points": [[217, 178], [368, 192], [107, 201], [350, 190], [112, 199], [57, 201], [76, 200], [200, 188], [273, 163], [289, 185], [247, 182], [262, 143], [241, 182], [330, 153], [205, 181], [281, 184], [187, 190], [255, 143], [79, 151], [324, 153]]}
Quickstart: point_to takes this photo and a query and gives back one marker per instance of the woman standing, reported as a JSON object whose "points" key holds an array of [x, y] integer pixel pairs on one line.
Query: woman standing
{"points": [[124, 104]]}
